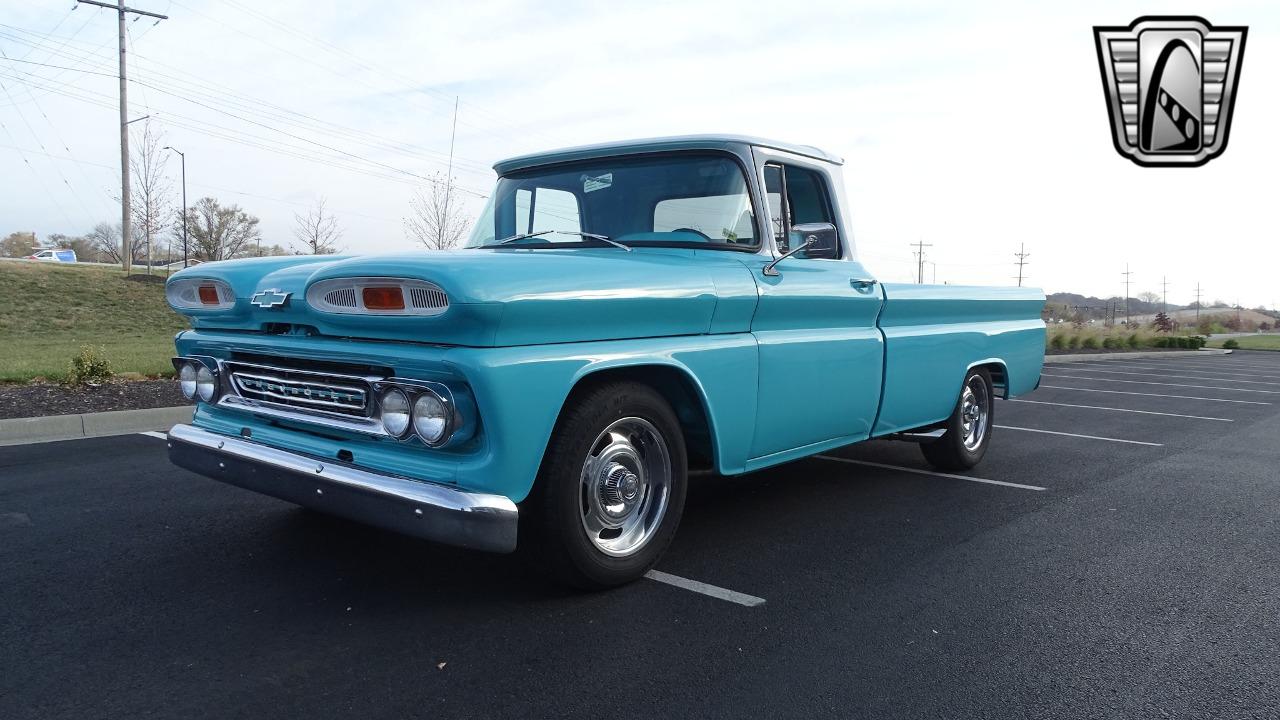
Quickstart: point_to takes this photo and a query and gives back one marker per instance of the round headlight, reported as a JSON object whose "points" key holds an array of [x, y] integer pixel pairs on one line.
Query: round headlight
{"points": [[395, 412], [430, 418], [206, 386], [187, 380]]}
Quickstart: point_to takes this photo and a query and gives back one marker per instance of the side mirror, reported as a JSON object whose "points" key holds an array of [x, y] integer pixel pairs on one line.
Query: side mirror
{"points": [[825, 243]]}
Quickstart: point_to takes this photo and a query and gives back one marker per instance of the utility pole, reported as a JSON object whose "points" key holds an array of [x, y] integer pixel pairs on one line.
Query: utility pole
{"points": [[1022, 260], [126, 226], [1127, 282], [920, 246], [1164, 294], [1197, 302]]}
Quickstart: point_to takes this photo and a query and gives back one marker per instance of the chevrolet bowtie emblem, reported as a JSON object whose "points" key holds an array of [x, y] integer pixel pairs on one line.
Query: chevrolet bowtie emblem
{"points": [[1171, 88], [270, 299]]}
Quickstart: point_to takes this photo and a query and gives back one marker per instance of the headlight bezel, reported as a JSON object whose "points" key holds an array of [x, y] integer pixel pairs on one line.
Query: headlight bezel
{"points": [[206, 377]]}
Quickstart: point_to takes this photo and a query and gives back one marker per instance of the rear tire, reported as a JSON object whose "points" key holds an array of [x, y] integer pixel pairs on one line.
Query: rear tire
{"points": [[611, 489], [969, 429]]}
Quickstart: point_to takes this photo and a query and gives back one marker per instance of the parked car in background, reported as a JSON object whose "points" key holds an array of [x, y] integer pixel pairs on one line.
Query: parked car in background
{"points": [[64, 255], [622, 313]]}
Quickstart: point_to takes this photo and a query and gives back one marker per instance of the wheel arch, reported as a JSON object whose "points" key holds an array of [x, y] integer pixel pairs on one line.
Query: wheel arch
{"points": [[677, 385], [999, 372]]}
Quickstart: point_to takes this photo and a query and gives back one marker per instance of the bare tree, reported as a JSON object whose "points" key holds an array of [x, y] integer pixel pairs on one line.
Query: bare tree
{"points": [[151, 207], [437, 219], [18, 244], [1149, 297], [317, 232], [105, 239], [220, 233]]}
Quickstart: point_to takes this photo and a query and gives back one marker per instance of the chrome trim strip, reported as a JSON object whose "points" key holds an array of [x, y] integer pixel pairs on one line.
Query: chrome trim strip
{"points": [[481, 521], [321, 418]]}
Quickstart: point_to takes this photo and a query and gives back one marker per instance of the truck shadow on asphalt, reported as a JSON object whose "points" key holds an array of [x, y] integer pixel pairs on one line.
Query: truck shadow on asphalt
{"points": [[794, 516]]}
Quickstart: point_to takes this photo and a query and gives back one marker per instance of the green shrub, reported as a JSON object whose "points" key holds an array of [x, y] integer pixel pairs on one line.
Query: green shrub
{"points": [[1089, 343], [1074, 342], [1231, 344], [1111, 343], [1058, 341], [1197, 342], [1134, 341], [90, 366]]}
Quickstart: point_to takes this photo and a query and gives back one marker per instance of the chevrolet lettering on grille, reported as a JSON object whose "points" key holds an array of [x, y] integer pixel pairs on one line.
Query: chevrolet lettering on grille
{"points": [[299, 390]]}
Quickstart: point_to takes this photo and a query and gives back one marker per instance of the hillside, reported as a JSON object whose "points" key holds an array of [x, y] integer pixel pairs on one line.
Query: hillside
{"points": [[48, 311]]}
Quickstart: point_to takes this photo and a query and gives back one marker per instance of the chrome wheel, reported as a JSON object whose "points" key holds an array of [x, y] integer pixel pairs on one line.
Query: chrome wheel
{"points": [[625, 486], [975, 412]]}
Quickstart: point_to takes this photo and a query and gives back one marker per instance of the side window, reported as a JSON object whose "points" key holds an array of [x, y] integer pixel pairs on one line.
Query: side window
{"points": [[795, 196]]}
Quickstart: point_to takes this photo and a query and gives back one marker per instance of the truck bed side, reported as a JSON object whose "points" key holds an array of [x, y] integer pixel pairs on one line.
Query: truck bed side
{"points": [[935, 333]]}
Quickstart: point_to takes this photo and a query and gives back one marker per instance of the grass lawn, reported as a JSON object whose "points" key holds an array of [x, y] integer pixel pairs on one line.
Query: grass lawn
{"points": [[1253, 342], [48, 311]]}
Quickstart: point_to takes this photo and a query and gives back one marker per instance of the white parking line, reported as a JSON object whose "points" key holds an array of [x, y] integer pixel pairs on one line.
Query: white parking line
{"points": [[1180, 367], [154, 434], [700, 587], [1151, 382], [918, 471], [1180, 397], [1128, 410], [1165, 375], [1074, 435]]}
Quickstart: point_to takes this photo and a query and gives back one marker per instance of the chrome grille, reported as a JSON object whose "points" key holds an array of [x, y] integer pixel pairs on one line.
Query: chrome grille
{"points": [[428, 298], [302, 389], [343, 297]]}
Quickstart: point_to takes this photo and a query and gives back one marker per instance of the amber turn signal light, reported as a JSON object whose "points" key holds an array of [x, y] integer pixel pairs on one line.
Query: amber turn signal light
{"points": [[383, 298], [208, 295]]}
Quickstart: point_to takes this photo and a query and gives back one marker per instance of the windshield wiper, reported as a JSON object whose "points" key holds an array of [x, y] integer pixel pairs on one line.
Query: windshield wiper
{"points": [[593, 236], [514, 238]]}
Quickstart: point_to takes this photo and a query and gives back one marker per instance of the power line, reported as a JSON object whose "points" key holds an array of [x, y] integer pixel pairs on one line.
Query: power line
{"points": [[56, 169], [57, 136], [238, 137], [341, 133]]}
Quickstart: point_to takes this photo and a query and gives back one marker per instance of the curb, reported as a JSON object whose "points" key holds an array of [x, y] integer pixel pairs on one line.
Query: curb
{"points": [[25, 431], [1088, 357]]}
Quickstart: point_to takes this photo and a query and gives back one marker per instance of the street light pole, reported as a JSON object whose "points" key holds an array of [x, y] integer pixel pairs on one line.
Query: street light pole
{"points": [[184, 201]]}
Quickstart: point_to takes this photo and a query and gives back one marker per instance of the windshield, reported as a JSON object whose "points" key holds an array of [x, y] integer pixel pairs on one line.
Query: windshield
{"points": [[673, 200]]}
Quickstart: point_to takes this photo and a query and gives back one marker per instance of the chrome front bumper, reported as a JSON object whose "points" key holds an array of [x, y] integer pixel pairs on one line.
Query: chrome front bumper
{"points": [[436, 512]]}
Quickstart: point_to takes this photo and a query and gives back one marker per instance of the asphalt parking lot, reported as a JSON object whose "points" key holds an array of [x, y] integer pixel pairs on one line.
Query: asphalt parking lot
{"points": [[1117, 554]]}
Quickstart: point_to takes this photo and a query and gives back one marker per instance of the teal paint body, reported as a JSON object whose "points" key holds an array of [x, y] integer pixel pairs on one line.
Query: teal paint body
{"points": [[781, 367]]}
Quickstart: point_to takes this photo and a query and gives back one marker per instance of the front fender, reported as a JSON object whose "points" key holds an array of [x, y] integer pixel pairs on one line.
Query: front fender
{"points": [[520, 392]]}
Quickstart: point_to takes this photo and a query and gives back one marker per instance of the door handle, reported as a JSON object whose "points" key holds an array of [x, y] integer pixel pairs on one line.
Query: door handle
{"points": [[862, 285]]}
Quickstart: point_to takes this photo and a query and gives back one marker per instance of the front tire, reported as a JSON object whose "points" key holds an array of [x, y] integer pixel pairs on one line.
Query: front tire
{"points": [[969, 428], [611, 489]]}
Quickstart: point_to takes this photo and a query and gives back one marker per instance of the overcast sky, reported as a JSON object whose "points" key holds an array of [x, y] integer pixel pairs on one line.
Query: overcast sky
{"points": [[972, 126]]}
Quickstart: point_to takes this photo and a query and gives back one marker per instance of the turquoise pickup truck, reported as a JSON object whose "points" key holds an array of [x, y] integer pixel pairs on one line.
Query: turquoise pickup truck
{"points": [[622, 315]]}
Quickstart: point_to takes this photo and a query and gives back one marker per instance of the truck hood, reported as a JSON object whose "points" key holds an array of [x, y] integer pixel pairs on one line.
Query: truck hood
{"points": [[502, 297]]}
